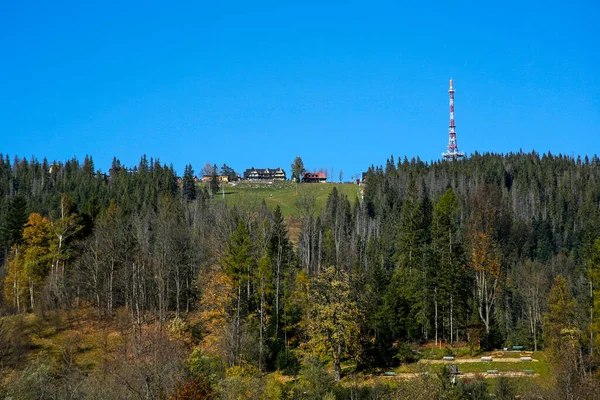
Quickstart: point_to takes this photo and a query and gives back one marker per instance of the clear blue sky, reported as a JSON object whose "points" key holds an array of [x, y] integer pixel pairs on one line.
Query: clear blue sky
{"points": [[251, 83]]}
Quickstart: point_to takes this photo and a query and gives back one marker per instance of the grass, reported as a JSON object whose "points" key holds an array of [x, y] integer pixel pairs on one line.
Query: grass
{"points": [[539, 367], [77, 334], [283, 193]]}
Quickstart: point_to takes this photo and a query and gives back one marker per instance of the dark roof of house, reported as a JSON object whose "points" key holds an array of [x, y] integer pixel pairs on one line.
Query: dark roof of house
{"points": [[315, 175], [264, 172]]}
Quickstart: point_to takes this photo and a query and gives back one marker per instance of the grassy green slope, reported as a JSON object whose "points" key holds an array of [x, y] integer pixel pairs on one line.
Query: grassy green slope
{"points": [[285, 194]]}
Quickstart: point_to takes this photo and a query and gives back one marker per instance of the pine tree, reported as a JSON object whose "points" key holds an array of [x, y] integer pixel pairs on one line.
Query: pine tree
{"points": [[189, 186], [237, 264], [214, 181], [15, 220], [446, 272]]}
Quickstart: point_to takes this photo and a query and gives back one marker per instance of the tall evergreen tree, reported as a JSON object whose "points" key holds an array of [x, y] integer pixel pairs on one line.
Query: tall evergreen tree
{"points": [[214, 181], [238, 263], [189, 185]]}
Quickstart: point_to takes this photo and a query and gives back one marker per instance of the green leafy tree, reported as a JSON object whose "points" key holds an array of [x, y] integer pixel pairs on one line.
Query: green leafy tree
{"points": [[333, 322], [297, 169], [28, 267], [229, 172], [485, 252], [37, 256], [594, 275], [65, 226], [563, 337]]}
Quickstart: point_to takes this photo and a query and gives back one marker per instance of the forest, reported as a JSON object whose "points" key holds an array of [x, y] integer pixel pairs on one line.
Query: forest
{"points": [[192, 298]]}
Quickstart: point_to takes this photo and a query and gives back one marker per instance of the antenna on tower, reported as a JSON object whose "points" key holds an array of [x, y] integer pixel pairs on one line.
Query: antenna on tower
{"points": [[453, 153]]}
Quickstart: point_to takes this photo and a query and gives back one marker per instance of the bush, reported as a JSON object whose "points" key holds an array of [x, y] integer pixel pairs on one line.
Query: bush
{"points": [[314, 382], [406, 354], [196, 332], [474, 389], [177, 328], [204, 367], [287, 362], [505, 389], [492, 340], [37, 381]]}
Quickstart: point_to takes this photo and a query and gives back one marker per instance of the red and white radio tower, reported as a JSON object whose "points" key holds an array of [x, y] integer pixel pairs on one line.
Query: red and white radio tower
{"points": [[453, 153]]}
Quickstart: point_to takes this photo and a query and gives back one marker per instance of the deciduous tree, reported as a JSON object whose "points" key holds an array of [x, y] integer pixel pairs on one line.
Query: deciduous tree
{"points": [[297, 169], [333, 320]]}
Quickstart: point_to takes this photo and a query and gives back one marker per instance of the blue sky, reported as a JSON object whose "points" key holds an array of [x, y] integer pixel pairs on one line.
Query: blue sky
{"points": [[342, 84]]}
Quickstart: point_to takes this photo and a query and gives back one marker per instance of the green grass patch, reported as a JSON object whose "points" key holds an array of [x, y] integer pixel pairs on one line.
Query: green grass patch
{"points": [[483, 367], [540, 366], [282, 193]]}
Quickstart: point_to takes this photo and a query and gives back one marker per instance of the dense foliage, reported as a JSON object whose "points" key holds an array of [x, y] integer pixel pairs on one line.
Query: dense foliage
{"points": [[463, 251]]}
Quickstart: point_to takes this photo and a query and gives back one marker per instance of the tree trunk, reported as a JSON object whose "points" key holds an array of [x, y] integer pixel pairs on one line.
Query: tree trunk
{"points": [[31, 292], [177, 290], [237, 327], [591, 319], [262, 327], [451, 326], [337, 368], [110, 287], [16, 285], [279, 251], [187, 290], [435, 302]]}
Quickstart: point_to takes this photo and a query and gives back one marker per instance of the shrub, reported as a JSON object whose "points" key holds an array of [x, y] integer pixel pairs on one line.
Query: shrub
{"points": [[287, 362], [406, 354]]}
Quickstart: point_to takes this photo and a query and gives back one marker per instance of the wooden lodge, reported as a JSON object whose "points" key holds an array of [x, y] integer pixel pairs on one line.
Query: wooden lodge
{"points": [[264, 174], [314, 177]]}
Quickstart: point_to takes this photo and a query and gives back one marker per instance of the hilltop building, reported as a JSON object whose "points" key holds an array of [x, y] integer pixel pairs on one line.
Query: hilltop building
{"points": [[314, 177], [264, 174], [220, 178]]}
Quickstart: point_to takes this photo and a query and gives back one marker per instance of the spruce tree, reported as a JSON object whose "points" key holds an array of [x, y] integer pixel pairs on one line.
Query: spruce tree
{"points": [[214, 181], [189, 186]]}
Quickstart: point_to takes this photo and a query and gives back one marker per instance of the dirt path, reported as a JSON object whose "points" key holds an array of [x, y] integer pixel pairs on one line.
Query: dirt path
{"points": [[475, 360], [507, 374]]}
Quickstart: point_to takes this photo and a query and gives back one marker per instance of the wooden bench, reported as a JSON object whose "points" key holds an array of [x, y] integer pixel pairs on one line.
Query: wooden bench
{"points": [[498, 354]]}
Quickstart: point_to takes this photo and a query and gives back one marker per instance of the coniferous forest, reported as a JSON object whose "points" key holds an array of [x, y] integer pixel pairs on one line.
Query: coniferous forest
{"points": [[168, 292]]}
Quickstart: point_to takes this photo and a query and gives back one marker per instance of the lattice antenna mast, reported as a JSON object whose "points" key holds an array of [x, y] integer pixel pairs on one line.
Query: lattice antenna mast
{"points": [[453, 153]]}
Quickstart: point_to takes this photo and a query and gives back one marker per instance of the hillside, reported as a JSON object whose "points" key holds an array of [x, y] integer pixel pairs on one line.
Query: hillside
{"points": [[136, 286], [283, 194]]}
